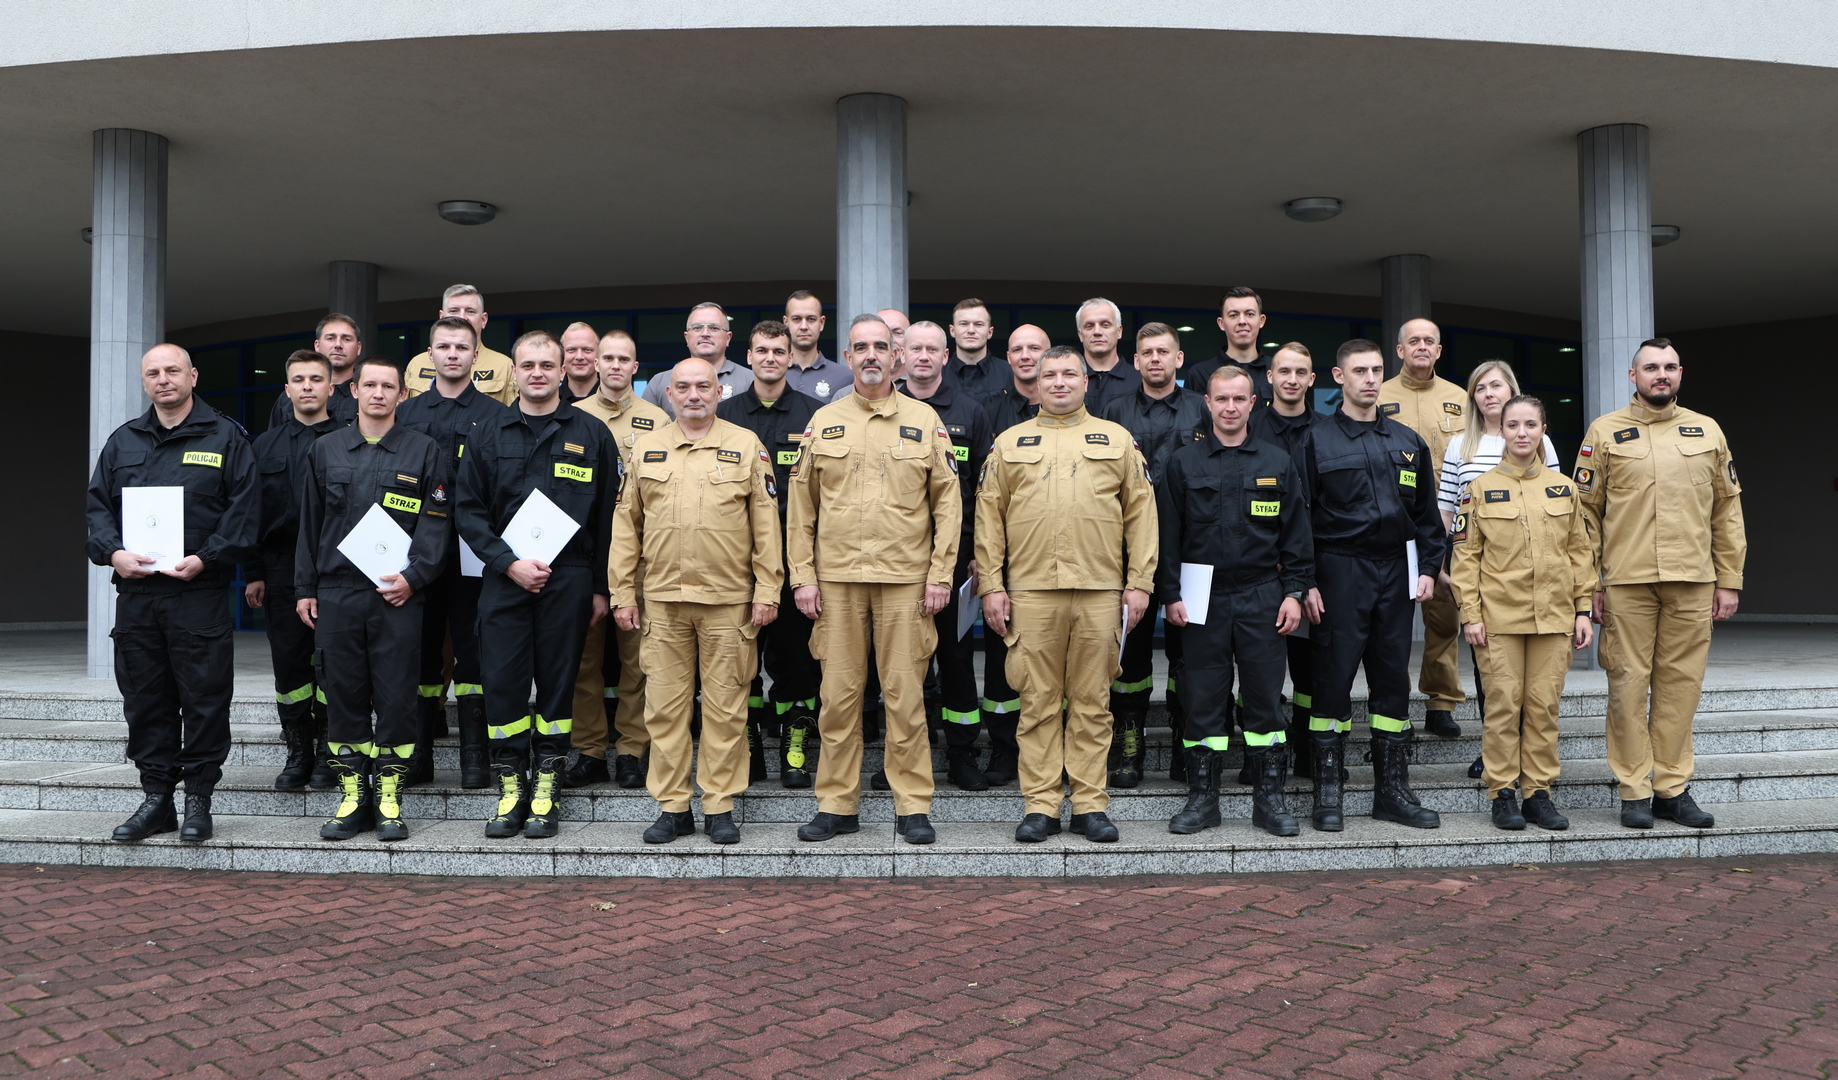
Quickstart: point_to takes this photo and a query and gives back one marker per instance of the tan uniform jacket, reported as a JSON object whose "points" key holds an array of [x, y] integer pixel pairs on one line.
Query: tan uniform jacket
{"points": [[627, 418], [1523, 562], [1060, 499], [491, 375], [874, 496], [1435, 410], [703, 516], [1660, 494]]}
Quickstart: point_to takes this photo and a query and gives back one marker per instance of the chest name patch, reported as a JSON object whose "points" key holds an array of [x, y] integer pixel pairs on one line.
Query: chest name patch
{"points": [[1691, 432], [565, 471], [912, 433], [202, 457], [1028, 440], [1407, 477], [395, 501], [1265, 508], [643, 423], [788, 457], [833, 432], [1097, 438], [730, 456], [1390, 408], [1627, 435], [657, 455], [1498, 495]]}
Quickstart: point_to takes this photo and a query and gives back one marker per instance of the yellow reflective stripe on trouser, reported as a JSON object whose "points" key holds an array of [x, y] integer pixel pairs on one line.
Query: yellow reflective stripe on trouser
{"points": [[1328, 723], [368, 749], [756, 702], [952, 716], [1386, 723], [553, 727], [510, 730], [406, 750], [1002, 708], [1252, 738], [1221, 743], [1121, 687], [1306, 701], [296, 695], [609, 692], [432, 690], [467, 689], [319, 694]]}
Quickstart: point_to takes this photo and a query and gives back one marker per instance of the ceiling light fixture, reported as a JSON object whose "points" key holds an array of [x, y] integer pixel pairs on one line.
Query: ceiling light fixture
{"points": [[1665, 234], [1317, 208], [467, 211]]}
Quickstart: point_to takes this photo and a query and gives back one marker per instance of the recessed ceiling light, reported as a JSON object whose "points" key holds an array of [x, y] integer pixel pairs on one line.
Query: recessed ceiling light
{"points": [[1185, 329], [1566, 348], [1271, 344], [1315, 208], [1664, 234], [467, 211]]}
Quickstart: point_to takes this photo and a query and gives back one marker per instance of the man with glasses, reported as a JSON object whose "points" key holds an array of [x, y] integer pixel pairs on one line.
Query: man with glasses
{"points": [[707, 336]]}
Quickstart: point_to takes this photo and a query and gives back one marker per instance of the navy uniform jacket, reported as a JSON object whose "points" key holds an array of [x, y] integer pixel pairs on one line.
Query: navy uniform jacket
{"points": [[1372, 487], [981, 379], [1104, 387], [1160, 426], [779, 428], [569, 455], [966, 421], [208, 454], [1196, 376], [1006, 408], [1288, 432], [281, 463], [405, 473], [1240, 510]]}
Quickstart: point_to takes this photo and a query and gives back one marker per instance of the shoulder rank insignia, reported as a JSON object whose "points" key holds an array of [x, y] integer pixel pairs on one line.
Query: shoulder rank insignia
{"points": [[730, 456], [1390, 408], [955, 430], [1028, 440], [1691, 432], [1452, 408], [834, 431], [1627, 435], [643, 423], [574, 448], [1098, 438], [407, 479], [1266, 481], [1409, 455], [911, 433], [1557, 491], [1498, 495], [656, 455]]}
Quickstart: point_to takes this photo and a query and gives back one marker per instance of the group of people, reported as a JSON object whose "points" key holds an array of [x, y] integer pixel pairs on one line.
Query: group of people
{"points": [[819, 522]]}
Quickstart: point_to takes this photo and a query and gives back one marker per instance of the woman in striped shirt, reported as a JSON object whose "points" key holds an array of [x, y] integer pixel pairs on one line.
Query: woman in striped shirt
{"points": [[1476, 451]]}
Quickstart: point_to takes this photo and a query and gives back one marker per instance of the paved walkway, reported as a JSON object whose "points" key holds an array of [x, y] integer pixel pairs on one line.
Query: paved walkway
{"points": [[1701, 968]]}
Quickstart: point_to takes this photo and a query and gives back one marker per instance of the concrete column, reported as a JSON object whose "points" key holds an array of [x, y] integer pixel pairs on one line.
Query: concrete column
{"points": [[127, 314], [352, 290], [1404, 294], [870, 206], [1617, 258]]}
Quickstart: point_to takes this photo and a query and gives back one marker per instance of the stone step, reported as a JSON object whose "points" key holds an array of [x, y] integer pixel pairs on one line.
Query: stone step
{"points": [[1580, 738], [613, 849], [1721, 779]]}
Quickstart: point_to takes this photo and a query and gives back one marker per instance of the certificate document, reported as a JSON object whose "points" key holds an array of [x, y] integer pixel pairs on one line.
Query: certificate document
{"points": [[539, 529], [376, 545], [153, 524]]}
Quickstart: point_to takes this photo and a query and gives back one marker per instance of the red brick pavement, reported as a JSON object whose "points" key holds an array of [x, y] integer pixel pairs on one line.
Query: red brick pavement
{"points": [[1680, 969]]}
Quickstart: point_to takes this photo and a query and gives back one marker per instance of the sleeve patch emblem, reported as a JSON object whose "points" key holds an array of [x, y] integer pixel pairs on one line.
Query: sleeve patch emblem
{"points": [[656, 455], [1691, 432], [832, 432], [1627, 435], [1585, 451], [1733, 481], [1390, 408], [1498, 495], [643, 423], [732, 456], [1557, 491], [1097, 438], [1461, 527]]}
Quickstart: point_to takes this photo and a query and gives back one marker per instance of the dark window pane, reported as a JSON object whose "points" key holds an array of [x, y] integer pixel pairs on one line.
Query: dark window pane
{"points": [[265, 363], [217, 369]]}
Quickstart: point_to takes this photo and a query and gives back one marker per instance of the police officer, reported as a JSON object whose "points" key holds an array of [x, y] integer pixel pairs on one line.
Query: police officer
{"points": [[1162, 417], [1659, 490], [1523, 570], [1373, 492], [1062, 500], [873, 527], [491, 369], [697, 514], [707, 335], [967, 423], [1286, 423], [449, 414], [173, 660], [1235, 504], [336, 339], [973, 368], [1016, 403], [1241, 319], [610, 685], [533, 615], [777, 415], [281, 464], [364, 627], [1432, 407], [812, 373], [1100, 326]]}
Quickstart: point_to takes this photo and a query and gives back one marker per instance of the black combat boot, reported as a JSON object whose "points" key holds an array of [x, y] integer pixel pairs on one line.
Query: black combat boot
{"points": [[1637, 813], [1204, 767], [1269, 810], [826, 825], [197, 825], [1683, 809], [513, 801], [1035, 828], [323, 778], [1506, 813], [1301, 748], [1392, 799], [756, 747], [474, 772], [1330, 791], [354, 815], [961, 769], [798, 753], [916, 828], [629, 771], [156, 815], [1441, 723], [586, 770], [669, 825], [544, 817], [391, 778], [297, 736], [1127, 748], [721, 828], [1542, 812], [432, 713], [1095, 826]]}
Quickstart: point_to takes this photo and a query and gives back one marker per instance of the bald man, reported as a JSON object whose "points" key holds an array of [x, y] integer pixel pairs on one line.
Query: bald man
{"points": [[173, 660]]}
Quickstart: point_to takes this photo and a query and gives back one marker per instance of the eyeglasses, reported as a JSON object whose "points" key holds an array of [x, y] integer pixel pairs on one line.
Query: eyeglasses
{"points": [[706, 327]]}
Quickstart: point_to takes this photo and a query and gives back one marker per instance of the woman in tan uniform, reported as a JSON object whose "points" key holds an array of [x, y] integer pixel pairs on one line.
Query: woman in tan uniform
{"points": [[1524, 572]]}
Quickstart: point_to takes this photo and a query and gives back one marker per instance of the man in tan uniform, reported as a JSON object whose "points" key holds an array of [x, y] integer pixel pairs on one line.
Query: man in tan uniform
{"points": [[699, 520], [1659, 492], [1061, 498], [491, 369], [1434, 408], [613, 679], [872, 528]]}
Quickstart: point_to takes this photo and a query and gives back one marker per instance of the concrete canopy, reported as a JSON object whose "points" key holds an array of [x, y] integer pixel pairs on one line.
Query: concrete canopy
{"points": [[1149, 153]]}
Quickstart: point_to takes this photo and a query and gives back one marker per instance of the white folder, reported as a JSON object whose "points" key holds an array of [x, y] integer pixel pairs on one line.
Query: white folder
{"points": [[1197, 590], [470, 564], [1410, 570], [153, 524], [539, 529], [376, 545], [967, 607]]}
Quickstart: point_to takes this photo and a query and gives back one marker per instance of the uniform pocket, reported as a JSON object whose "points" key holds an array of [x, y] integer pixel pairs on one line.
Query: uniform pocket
{"points": [[1202, 497], [1700, 462]]}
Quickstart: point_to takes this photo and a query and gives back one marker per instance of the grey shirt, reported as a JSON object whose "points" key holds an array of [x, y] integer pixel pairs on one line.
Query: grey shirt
{"points": [[826, 380], [732, 377]]}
